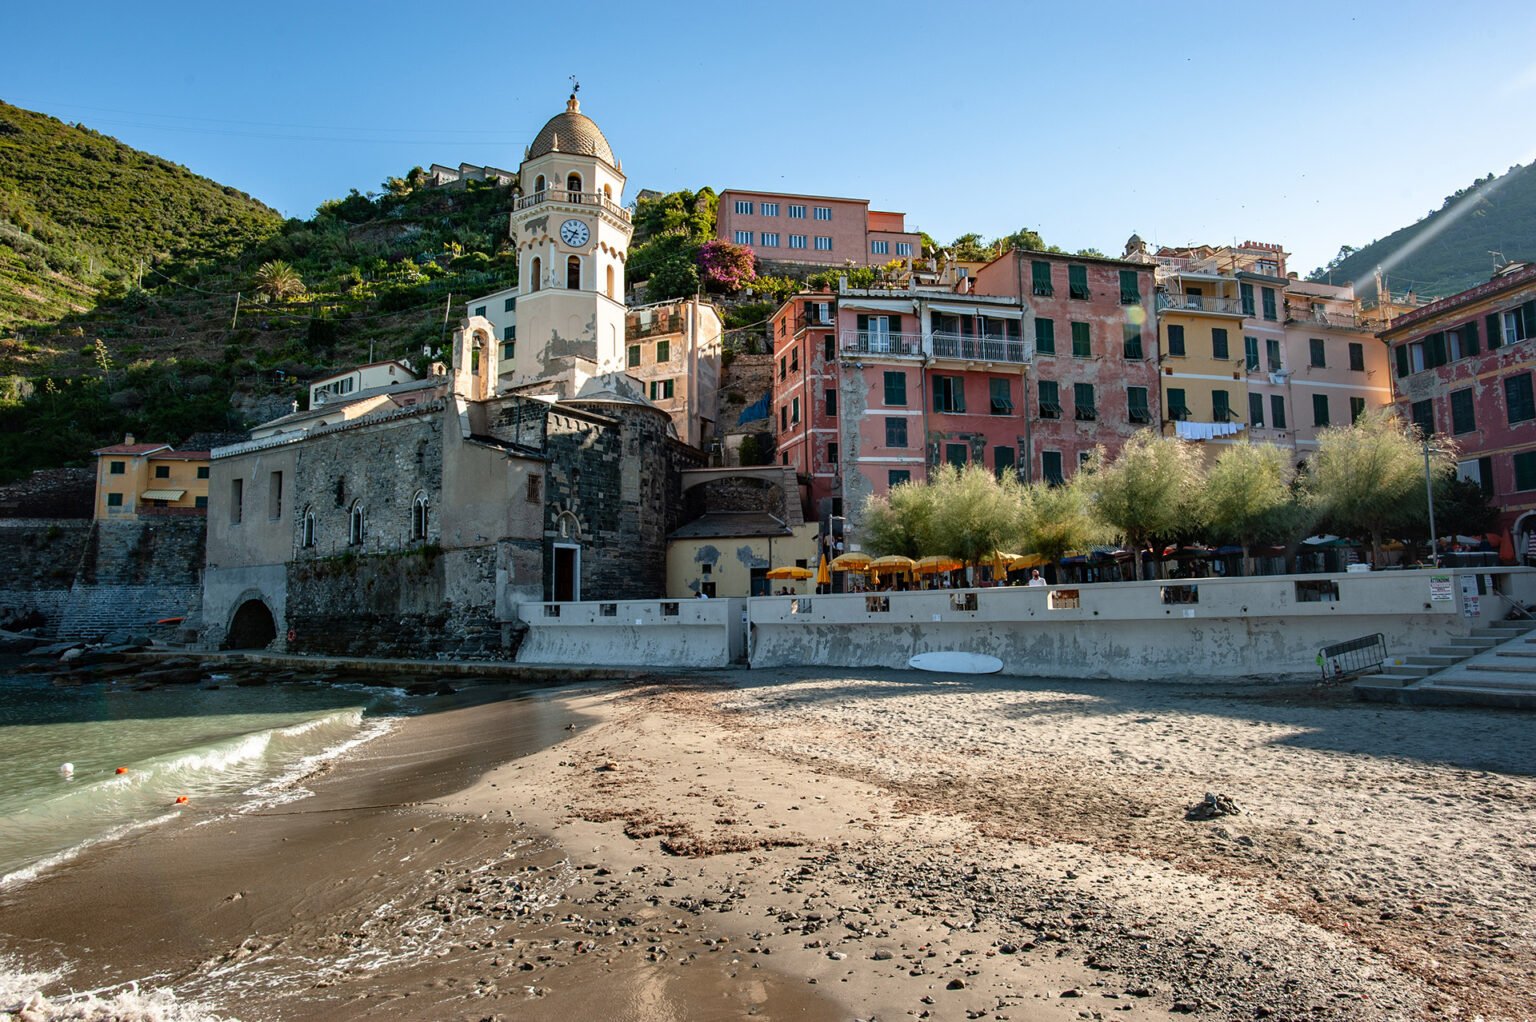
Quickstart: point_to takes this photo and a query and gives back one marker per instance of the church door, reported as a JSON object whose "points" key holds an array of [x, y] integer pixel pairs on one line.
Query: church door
{"points": [[567, 580]]}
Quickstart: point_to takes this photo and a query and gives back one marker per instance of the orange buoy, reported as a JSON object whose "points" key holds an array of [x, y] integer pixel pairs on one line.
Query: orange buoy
{"points": [[122, 770], [181, 800]]}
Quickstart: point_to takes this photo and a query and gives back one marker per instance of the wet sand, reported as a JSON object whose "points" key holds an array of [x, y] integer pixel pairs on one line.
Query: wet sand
{"points": [[791, 845]]}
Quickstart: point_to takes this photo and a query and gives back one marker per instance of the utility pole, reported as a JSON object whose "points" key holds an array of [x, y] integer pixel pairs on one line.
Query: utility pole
{"points": [[447, 307], [1429, 492], [236, 318]]}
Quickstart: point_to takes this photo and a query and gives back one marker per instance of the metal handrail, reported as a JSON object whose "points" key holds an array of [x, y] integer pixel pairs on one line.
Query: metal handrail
{"points": [[984, 349], [874, 342], [598, 199]]}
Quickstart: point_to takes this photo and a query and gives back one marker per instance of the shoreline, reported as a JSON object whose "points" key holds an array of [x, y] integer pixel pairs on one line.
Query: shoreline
{"points": [[828, 845]]}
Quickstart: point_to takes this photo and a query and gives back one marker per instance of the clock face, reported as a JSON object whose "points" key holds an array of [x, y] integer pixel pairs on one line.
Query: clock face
{"points": [[574, 233]]}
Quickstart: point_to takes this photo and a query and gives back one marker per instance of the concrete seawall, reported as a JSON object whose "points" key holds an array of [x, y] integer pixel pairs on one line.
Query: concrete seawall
{"points": [[1188, 628]]}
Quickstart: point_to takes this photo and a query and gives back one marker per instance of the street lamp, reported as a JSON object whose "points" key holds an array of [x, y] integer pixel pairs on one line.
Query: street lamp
{"points": [[1429, 493]]}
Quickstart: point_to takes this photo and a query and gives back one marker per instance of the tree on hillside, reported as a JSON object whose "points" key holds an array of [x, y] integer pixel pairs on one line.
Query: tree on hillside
{"points": [[669, 232], [277, 281], [1054, 520], [1023, 239], [1147, 491], [1246, 495], [969, 248], [1369, 477]]}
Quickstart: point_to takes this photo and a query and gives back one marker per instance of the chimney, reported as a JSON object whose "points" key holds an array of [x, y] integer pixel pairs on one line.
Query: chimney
{"points": [[128, 439]]}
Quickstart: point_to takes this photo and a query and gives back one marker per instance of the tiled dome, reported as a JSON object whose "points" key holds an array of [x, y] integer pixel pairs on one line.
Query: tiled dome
{"points": [[571, 132]]}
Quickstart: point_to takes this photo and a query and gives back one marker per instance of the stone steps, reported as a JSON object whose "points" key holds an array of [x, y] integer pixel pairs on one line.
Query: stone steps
{"points": [[1502, 675]]}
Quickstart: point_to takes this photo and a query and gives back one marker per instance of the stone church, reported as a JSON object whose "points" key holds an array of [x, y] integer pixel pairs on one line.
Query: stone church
{"points": [[416, 527]]}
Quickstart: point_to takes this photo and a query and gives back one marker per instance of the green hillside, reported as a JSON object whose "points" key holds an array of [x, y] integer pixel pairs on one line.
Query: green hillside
{"points": [[92, 346], [1449, 250]]}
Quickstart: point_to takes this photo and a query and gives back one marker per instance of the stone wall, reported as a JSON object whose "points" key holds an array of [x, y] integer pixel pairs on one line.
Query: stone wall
{"points": [[51, 493]]}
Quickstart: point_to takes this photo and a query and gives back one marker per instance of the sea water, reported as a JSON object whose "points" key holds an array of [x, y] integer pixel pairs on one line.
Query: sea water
{"points": [[134, 753]]}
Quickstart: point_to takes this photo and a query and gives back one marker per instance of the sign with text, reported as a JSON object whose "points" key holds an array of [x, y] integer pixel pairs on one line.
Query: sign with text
{"points": [[1440, 590]]}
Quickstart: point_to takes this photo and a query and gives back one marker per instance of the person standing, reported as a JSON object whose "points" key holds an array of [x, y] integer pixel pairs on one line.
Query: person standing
{"points": [[1035, 579]]}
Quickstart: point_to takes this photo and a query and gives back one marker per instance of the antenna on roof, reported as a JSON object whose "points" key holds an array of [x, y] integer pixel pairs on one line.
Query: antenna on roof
{"points": [[1498, 261], [575, 85]]}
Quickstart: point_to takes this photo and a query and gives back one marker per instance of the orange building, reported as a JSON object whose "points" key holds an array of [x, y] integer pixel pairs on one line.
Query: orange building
{"points": [[134, 479]]}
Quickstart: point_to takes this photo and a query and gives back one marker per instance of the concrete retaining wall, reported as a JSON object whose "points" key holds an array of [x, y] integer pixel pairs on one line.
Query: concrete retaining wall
{"points": [[650, 633]]}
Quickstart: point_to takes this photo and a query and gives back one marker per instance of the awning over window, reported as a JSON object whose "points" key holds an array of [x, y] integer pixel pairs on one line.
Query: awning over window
{"points": [[989, 311], [161, 494]]}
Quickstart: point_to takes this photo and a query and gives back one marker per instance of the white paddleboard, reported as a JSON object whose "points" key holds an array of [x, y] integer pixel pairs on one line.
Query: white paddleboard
{"points": [[956, 663]]}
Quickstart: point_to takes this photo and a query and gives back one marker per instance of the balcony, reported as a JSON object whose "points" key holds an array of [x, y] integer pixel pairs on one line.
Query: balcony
{"points": [[636, 329], [1169, 301], [1319, 317], [596, 199], [979, 349], [877, 342]]}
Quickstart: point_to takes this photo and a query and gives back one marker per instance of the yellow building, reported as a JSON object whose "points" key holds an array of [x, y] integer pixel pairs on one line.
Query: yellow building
{"points": [[1200, 338], [134, 479], [729, 553]]}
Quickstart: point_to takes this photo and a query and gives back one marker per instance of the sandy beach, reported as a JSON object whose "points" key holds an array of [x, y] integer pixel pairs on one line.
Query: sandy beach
{"points": [[788, 844]]}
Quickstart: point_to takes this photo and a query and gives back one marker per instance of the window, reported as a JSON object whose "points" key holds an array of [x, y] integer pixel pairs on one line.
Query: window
{"points": [[1319, 409], [903, 248], [830, 397], [535, 488], [663, 351], [538, 183], [796, 212], [1251, 353], [1002, 461], [1082, 402], [1077, 282], [879, 248], [573, 273], [573, 183], [794, 410], [1356, 409], [1525, 470], [114, 500], [634, 355], [236, 500], [1357, 356], [1045, 337], [1177, 407], [896, 432], [896, 476], [1175, 339], [957, 454], [784, 425], [1245, 291], [823, 244], [508, 350], [1133, 342], [1001, 393], [1040, 277], [1082, 346], [1272, 355], [419, 517], [948, 394], [744, 207], [162, 471], [1277, 410], [1130, 289], [783, 367], [769, 239], [202, 471], [1463, 420], [116, 468], [275, 495], [507, 305], [1050, 467], [1050, 400], [829, 348], [357, 525], [742, 237], [1269, 303], [832, 453], [895, 388], [1137, 409], [661, 389], [1517, 398], [1316, 359], [1221, 406], [1219, 344], [797, 241], [1256, 410], [480, 310], [770, 209], [823, 212]]}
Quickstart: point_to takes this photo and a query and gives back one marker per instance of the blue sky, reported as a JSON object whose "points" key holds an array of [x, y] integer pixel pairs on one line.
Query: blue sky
{"points": [[1313, 126]]}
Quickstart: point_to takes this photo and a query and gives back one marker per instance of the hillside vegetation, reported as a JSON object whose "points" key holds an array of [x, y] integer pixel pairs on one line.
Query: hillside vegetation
{"points": [[1450, 249]]}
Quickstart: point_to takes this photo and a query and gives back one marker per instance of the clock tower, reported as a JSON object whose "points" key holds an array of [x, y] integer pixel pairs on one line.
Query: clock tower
{"points": [[572, 238]]}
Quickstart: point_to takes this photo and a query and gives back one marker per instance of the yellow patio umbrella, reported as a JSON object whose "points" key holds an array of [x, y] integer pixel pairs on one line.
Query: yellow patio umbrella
{"points": [[893, 562], [1026, 561], [791, 572], [823, 576], [936, 563], [1000, 560], [851, 562]]}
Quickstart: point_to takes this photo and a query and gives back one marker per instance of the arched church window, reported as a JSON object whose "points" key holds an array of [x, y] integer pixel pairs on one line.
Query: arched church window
{"points": [[573, 273], [573, 185], [610, 282], [538, 184], [358, 530], [307, 530], [608, 192], [419, 516], [537, 274]]}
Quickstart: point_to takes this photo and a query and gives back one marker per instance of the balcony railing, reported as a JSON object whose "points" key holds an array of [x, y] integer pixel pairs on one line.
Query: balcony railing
{"points": [[1319, 317], [979, 349], [598, 199], [874, 342], [1173, 301], [637, 329]]}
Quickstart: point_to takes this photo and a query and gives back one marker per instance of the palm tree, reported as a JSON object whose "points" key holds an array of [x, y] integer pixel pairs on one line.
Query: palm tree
{"points": [[278, 281]]}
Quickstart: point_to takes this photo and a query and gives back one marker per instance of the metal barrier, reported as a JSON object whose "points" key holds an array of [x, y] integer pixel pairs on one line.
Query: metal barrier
{"points": [[1350, 659]]}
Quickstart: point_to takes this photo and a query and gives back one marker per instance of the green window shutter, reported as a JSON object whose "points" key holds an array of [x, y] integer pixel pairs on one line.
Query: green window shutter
{"points": [[1045, 336], [1175, 339], [1319, 409], [1082, 347], [1077, 281], [863, 323], [1177, 409], [1469, 338], [1463, 419], [1219, 343], [1256, 409], [1525, 470], [1050, 467], [1528, 313], [1040, 278], [1130, 290], [1133, 342], [1246, 291], [1402, 360], [1277, 411], [1221, 408], [1435, 343], [1495, 330], [1251, 353]]}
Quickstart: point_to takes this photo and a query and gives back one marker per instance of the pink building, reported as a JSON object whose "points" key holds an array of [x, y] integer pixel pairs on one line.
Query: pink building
{"points": [[814, 229], [1094, 376], [1462, 367]]}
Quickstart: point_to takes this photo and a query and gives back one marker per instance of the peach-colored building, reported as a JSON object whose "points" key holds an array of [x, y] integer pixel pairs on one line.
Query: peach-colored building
{"points": [[673, 349], [134, 479], [814, 229]]}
